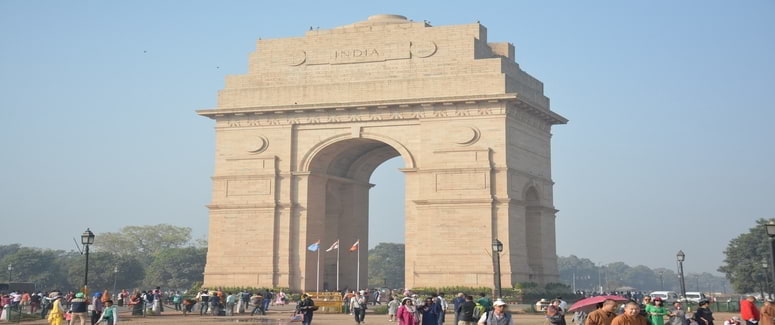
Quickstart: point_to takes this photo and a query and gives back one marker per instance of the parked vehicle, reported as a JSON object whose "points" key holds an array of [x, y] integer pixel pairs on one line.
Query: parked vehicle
{"points": [[695, 297], [668, 297]]}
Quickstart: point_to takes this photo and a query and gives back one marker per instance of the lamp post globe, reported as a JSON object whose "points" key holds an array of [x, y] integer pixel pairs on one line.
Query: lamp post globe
{"points": [[770, 226], [681, 257], [497, 248], [87, 239], [10, 269]]}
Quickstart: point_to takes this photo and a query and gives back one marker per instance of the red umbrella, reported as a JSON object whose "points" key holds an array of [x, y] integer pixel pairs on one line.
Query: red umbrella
{"points": [[587, 304]]}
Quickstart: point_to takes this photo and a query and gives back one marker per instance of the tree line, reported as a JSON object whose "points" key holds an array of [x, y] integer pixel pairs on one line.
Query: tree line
{"points": [[134, 257], [619, 276], [165, 255]]}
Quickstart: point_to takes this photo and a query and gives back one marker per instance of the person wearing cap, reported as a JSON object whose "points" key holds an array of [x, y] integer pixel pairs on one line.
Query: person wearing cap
{"points": [[748, 310], [307, 308], [498, 316], [677, 314], [78, 308], [657, 312], [407, 313], [767, 313], [631, 315], [56, 316], [358, 307], [604, 315], [703, 315]]}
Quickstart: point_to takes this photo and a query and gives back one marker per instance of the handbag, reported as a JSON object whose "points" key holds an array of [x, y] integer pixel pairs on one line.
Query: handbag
{"points": [[296, 318]]}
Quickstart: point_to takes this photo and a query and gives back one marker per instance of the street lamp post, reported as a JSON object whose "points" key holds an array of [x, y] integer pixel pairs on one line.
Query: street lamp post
{"points": [[681, 257], [497, 248], [661, 282], [697, 278], [766, 268], [115, 273], [10, 269], [87, 238], [771, 233], [573, 283], [599, 282]]}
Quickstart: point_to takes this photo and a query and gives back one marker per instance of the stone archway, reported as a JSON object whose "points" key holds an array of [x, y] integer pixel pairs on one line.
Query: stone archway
{"points": [[338, 206], [298, 136]]}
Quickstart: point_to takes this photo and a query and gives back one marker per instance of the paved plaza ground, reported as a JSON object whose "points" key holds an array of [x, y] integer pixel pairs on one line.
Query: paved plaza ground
{"points": [[281, 315]]}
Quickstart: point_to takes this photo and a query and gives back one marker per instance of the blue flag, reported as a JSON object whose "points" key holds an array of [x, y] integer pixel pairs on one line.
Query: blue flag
{"points": [[314, 247]]}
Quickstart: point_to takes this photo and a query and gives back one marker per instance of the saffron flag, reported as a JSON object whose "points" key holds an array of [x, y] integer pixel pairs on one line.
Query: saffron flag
{"points": [[355, 246], [314, 247], [334, 246]]}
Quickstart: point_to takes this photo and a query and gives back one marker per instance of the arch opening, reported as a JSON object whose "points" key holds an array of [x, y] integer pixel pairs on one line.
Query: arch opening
{"points": [[534, 225], [338, 195]]}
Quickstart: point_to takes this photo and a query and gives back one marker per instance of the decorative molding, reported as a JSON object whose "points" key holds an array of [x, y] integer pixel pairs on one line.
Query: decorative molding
{"points": [[363, 115]]}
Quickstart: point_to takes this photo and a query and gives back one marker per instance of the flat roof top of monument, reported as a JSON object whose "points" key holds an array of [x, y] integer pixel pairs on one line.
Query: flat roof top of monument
{"points": [[383, 59], [382, 20], [379, 20]]}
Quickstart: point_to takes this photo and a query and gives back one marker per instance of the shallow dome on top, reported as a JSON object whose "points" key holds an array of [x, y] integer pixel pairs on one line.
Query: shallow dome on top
{"points": [[382, 19]]}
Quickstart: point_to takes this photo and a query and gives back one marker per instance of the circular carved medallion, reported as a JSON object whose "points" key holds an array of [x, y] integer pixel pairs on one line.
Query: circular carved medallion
{"points": [[423, 49], [261, 146], [466, 136], [297, 57]]}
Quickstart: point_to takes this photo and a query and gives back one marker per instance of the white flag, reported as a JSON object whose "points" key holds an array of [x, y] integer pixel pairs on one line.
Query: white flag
{"points": [[334, 246], [356, 246]]}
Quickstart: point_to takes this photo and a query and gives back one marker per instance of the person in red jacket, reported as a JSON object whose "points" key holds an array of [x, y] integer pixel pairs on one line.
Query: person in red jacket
{"points": [[748, 310]]}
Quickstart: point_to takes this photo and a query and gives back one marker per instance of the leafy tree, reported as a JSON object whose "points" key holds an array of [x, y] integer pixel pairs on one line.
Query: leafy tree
{"points": [[6, 250], [386, 265], [176, 268], [143, 242], [583, 269], [744, 257], [101, 266], [619, 275], [39, 266]]}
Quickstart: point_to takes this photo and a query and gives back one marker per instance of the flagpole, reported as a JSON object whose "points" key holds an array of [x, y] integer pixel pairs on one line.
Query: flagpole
{"points": [[337, 267], [358, 271], [317, 282]]}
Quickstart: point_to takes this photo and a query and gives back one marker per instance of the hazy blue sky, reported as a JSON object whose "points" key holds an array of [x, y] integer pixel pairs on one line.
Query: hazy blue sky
{"points": [[669, 145]]}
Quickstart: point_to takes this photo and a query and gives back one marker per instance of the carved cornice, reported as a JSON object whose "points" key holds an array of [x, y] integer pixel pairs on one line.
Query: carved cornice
{"points": [[429, 108]]}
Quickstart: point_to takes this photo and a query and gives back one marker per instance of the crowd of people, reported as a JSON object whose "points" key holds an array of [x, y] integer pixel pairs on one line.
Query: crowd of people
{"points": [[407, 308], [411, 309], [56, 307], [655, 312]]}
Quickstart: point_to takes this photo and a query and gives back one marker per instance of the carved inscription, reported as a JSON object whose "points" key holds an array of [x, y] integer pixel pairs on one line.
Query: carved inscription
{"points": [[356, 55], [248, 187], [461, 181]]}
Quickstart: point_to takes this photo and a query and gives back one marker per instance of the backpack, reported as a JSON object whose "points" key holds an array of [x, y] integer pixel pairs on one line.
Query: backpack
{"points": [[478, 311], [491, 318]]}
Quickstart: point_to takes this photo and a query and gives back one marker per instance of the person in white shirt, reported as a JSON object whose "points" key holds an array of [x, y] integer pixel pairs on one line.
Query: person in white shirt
{"points": [[498, 316]]}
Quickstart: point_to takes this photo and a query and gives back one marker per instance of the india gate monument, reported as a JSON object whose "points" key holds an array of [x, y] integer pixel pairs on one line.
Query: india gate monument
{"points": [[299, 135]]}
